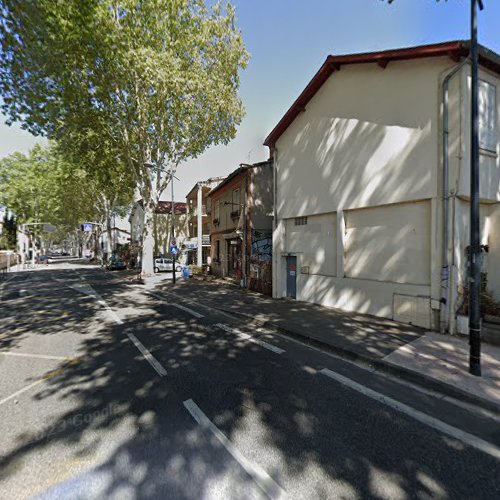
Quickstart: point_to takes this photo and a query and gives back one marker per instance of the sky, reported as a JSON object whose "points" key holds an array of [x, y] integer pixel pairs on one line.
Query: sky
{"points": [[288, 40]]}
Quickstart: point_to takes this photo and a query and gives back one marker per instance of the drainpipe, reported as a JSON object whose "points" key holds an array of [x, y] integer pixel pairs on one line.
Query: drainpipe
{"points": [[245, 230], [445, 270], [199, 233]]}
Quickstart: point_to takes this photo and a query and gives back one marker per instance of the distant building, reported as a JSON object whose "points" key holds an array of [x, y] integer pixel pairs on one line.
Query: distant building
{"points": [[241, 226], [198, 244], [120, 235]]}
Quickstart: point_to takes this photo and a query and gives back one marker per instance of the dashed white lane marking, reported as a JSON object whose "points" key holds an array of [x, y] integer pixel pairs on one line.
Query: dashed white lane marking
{"points": [[20, 391], [194, 313], [112, 313], [154, 294], [246, 336], [88, 290], [151, 359], [263, 480], [29, 355], [188, 310], [463, 436]]}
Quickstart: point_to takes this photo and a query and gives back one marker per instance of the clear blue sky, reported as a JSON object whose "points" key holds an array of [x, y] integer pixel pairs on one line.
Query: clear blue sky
{"points": [[288, 41]]}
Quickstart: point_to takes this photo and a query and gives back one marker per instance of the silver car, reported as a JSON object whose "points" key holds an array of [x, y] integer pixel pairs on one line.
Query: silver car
{"points": [[162, 264]]}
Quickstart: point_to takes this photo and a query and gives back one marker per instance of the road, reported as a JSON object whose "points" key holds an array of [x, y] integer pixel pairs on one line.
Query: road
{"points": [[112, 391]]}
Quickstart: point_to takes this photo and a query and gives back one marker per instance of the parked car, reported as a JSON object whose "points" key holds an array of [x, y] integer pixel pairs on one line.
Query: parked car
{"points": [[162, 264], [115, 264]]}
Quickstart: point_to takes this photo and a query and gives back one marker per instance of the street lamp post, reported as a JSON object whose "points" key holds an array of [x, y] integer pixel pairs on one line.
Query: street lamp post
{"points": [[172, 239], [475, 228]]}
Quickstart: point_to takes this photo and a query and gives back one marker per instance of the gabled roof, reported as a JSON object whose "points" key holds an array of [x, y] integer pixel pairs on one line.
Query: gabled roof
{"points": [[455, 50], [213, 181], [165, 207], [240, 170]]}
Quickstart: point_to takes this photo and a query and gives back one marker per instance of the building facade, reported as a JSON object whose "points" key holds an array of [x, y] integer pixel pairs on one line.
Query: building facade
{"points": [[372, 184], [198, 243], [241, 226]]}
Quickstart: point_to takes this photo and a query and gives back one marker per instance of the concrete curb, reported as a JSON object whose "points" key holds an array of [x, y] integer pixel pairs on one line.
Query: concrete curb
{"points": [[406, 374]]}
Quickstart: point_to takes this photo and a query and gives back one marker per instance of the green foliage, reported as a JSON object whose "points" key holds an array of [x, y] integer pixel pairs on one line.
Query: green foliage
{"points": [[45, 186], [124, 85], [157, 80], [8, 236]]}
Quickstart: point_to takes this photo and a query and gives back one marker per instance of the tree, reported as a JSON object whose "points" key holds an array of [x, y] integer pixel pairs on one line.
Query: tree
{"points": [[8, 235], [154, 81], [48, 185]]}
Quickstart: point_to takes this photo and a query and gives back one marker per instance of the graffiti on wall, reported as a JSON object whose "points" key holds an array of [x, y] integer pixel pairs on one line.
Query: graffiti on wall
{"points": [[262, 246]]}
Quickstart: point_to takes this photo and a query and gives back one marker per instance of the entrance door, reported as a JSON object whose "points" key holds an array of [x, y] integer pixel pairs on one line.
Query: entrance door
{"points": [[234, 261], [291, 277]]}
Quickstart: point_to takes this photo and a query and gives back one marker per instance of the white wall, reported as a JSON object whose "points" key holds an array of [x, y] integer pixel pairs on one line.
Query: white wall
{"points": [[369, 137], [316, 242], [390, 243]]}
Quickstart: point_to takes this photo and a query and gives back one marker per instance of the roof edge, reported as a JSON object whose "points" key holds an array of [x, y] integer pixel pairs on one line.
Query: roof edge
{"points": [[453, 49]]}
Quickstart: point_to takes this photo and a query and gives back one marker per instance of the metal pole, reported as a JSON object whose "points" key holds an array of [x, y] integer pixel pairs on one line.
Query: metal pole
{"points": [[199, 232], [245, 231], [173, 224], [475, 228]]}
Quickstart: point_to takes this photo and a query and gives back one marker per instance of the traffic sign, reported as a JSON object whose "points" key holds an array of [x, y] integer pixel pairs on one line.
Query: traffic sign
{"points": [[173, 243], [174, 250], [87, 227]]}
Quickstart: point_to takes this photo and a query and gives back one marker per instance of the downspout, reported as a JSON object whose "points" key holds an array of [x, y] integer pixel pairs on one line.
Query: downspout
{"points": [[445, 270], [245, 230]]}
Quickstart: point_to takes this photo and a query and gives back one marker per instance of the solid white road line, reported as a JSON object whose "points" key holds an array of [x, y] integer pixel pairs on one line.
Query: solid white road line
{"points": [[263, 480], [150, 358], [29, 355], [189, 311], [20, 391], [463, 436], [246, 336]]}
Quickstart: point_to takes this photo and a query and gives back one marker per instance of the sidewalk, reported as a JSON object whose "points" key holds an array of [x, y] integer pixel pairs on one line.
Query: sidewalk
{"points": [[434, 361]]}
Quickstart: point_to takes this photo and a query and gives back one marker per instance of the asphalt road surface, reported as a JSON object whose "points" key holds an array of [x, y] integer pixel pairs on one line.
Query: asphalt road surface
{"points": [[109, 390]]}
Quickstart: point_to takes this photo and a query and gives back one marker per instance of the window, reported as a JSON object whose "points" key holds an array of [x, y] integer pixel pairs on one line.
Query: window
{"points": [[217, 210], [235, 204], [487, 116], [236, 199], [300, 221]]}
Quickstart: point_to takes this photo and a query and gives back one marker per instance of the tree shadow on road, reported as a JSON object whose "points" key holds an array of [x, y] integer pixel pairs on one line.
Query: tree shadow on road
{"points": [[314, 437]]}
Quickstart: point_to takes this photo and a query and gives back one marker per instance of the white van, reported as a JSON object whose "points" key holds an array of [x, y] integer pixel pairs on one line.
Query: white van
{"points": [[162, 264]]}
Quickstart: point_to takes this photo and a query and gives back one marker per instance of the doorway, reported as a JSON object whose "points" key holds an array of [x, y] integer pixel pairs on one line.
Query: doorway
{"points": [[291, 277]]}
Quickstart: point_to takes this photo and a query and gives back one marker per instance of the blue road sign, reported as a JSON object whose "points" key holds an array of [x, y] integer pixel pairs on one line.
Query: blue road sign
{"points": [[87, 227], [174, 250]]}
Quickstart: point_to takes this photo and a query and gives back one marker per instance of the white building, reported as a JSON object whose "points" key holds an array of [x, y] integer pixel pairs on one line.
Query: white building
{"points": [[118, 237], [363, 180]]}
